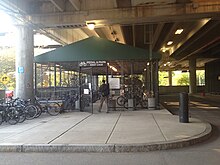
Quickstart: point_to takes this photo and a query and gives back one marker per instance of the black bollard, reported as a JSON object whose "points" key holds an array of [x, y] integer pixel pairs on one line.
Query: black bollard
{"points": [[184, 108]]}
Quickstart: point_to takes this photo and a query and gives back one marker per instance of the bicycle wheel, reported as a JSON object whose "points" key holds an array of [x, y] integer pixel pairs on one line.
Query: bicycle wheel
{"points": [[121, 100], [22, 115], [31, 111], [144, 103], [12, 116], [126, 104], [53, 108], [39, 110]]}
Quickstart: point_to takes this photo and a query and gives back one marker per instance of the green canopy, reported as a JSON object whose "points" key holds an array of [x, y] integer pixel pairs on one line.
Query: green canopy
{"points": [[93, 49]]}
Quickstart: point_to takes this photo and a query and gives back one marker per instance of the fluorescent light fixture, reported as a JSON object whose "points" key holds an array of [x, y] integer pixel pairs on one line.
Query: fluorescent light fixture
{"points": [[179, 31], [91, 25], [113, 68], [164, 49], [169, 42]]}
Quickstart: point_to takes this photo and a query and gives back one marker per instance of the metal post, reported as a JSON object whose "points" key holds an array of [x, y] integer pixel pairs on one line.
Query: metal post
{"points": [[41, 76], [80, 92], [132, 87], [60, 76], [184, 108], [156, 85], [91, 80], [107, 83], [35, 79], [55, 79]]}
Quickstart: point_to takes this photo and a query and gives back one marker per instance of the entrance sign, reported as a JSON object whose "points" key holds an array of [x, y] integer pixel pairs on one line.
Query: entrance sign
{"points": [[5, 79], [92, 63]]}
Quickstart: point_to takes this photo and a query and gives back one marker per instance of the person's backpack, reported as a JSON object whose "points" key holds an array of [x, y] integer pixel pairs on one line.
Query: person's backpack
{"points": [[105, 90]]}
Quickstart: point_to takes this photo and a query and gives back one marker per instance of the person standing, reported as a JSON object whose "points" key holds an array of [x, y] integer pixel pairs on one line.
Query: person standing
{"points": [[104, 90]]}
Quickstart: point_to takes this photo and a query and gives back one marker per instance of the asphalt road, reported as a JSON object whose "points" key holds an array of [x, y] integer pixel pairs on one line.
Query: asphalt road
{"points": [[206, 153]]}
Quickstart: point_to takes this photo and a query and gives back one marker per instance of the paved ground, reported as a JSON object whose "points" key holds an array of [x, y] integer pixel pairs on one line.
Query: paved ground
{"points": [[117, 131]]}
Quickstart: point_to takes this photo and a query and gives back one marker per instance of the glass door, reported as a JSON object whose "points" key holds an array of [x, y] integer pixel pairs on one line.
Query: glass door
{"points": [[86, 84]]}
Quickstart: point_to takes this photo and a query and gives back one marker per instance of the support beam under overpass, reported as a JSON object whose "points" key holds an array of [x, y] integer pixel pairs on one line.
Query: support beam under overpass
{"points": [[133, 15], [59, 4]]}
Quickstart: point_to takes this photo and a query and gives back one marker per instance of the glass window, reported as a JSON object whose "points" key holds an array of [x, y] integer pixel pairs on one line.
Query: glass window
{"points": [[180, 78], [200, 77], [163, 78]]}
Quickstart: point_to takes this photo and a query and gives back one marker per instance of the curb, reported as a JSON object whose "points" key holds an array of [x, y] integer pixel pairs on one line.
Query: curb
{"points": [[108, 148]]}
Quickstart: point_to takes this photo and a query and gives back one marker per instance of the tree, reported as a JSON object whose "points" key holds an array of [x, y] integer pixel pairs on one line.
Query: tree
{"points": [[7, 66], [183, 80], [163, 79]]}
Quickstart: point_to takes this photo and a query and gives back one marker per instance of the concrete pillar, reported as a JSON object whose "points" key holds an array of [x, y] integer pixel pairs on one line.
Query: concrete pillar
{"points": [[24, 62], [192, 76], [170, 77]]}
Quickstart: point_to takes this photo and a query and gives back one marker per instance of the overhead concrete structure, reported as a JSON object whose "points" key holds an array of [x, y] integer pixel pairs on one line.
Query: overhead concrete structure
{"points": [[130, 22]]}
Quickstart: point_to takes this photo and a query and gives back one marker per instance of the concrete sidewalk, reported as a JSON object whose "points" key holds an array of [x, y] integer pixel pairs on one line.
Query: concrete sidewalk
{"points": [[117, 131]]}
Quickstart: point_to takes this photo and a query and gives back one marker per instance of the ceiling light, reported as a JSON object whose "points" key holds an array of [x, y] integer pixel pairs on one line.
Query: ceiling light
{"points": [[179, 31], [163, 49], [91, 25], [116, 40], [145, 69], [148, 64], [113, 32], [169, 42], [114, 69]]}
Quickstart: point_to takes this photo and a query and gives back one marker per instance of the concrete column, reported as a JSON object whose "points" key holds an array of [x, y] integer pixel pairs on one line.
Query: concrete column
{"points": [[24, 62], [170, 77], [192, 76]]}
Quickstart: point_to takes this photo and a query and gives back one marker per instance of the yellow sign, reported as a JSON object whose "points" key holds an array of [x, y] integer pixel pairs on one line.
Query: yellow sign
{"points": [[5, 79]]}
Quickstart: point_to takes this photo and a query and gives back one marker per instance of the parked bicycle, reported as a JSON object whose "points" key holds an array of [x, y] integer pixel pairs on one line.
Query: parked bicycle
{"points": [[8, 114], [69, 102], [25, 108], [139, 100], [47, 106]]}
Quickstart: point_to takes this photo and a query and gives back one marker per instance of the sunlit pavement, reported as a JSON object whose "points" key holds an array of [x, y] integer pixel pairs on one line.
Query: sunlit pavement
{"points": [[117, 131]]}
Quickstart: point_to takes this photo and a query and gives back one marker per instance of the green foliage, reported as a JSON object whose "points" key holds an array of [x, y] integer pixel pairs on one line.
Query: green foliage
{"points": [[200, 77], [183, 80], [7, 66], [163, 78]]}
